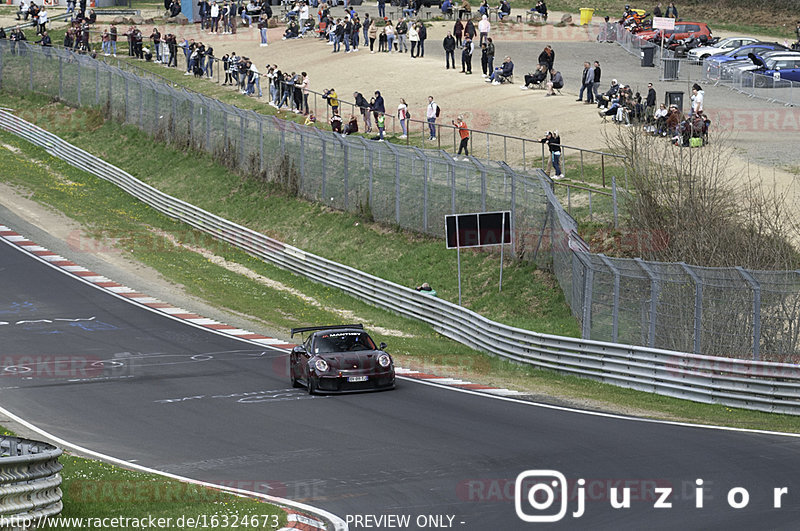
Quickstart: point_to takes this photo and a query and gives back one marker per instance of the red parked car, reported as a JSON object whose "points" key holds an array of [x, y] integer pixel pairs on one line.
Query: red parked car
{"points": [[683, 30]]}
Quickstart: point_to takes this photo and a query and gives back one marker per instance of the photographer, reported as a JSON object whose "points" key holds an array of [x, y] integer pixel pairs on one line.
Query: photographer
{"points": [[553, 142], [332, 99]]}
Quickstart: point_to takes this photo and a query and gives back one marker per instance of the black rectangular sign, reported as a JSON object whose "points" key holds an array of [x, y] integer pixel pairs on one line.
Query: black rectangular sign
{"points": [[478, 230]]}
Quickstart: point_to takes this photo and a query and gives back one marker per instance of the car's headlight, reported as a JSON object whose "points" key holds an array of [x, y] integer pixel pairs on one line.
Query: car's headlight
{"points": [[321, 365], [384, 360]]}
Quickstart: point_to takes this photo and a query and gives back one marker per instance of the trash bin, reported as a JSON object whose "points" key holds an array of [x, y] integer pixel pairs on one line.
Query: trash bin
{"points": [[674, 97], [671, 69], [586, 16], [648, 56]]}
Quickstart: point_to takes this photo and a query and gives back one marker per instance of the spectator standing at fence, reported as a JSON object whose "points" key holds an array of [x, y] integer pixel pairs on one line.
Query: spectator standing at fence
{"points": [[463, 132], [449, 45], [403, 116], [378, 106], [553, 141], [672, 11], [466, 56], [332, 99], [431, 113], [305, 85], [363, 107], [380, 121]]}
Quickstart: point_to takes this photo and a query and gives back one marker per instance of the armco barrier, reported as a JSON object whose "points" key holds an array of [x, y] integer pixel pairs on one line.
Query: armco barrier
{"points": [[763, 386], [30, 482]]}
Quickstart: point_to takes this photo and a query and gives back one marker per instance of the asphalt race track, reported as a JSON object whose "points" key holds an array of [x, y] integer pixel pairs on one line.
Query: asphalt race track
{"points": [[115, 377]]}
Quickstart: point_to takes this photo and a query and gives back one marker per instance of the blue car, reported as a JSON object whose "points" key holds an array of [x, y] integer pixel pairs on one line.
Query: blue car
{"points": [[770, 70], [713, 64]]}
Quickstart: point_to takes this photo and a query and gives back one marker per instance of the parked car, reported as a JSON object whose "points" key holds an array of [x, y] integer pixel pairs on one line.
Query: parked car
{"points": [[723, 46], [780, 67], [735, 69], [683, 30], [340, 359], [718, 66]]}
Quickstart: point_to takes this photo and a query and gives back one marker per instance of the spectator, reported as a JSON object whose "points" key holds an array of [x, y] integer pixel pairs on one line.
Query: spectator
{"points": [[485, 62], [43, 20], [458, 31], [336, 122], [463, 132], [332, 99], [650, 103], [310, 119], [504, 9], [596, 84], [423, 34], [365, 27], [466, 9], [466, 56], [363, 107], [431, 114], [45, 40], [469, 30], [155, 37], [553, 142], [23, 11], [556, 82], [351, 127], [105, 38], [378, 106], [447, 8], [426, 289], [373, 33], [402, 36], [660, 117], [483, 9], [449, 45], [547, 57], [305, 83], [413, 37], [536, 78], [381, 123], [540, 8], [657, 11], [382, 8], [697, 100], [484, 26], [263, 25], [214, 17], [502, 72], [403, 115], [587, 83], [608, 95], [672, 11]]}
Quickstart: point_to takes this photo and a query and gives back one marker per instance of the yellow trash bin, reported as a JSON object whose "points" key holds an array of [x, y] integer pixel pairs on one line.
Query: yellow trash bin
{"points": [[586, 16]]}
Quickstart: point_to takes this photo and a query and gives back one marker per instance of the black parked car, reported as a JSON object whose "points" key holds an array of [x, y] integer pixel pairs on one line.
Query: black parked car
{"points": [[340, 359]]}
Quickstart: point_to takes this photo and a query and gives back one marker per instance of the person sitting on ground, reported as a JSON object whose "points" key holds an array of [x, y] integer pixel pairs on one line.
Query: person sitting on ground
{"points": [[336, 122], [351, 127], [537, 77], [503, 72], [426, 289], [503, 10], [556, 82], [310, 119], [608, 95]]}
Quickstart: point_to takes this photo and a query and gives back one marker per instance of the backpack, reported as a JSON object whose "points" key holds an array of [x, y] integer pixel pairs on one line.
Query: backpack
{"points": [[438, 110], [408, 115]]}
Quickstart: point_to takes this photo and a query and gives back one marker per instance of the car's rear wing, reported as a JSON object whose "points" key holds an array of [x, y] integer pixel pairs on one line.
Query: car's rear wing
{"points": [[332, 327]]}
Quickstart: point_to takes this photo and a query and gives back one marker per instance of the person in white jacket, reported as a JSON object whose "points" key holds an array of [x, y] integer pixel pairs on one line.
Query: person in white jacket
{"points": [[484, 27], [214, 17], [413, 37]]}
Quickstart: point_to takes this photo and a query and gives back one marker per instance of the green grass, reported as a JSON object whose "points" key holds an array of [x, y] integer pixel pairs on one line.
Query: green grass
{"points": [[93, 489], [530, 296]]}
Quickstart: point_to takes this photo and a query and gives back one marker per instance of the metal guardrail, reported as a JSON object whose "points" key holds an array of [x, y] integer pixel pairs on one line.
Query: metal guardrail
{"points": [[762, 386], [30, 482]]}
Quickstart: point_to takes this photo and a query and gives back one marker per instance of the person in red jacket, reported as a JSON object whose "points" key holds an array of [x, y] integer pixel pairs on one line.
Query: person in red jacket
{"points": [[463, 131]]}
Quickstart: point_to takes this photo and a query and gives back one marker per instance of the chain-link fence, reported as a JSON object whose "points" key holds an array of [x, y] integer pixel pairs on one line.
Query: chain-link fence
{"points": [[728, 312]]}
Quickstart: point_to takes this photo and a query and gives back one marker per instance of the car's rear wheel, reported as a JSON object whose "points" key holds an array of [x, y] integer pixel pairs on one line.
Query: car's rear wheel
{"points": [[761, 82], [295, 383]]}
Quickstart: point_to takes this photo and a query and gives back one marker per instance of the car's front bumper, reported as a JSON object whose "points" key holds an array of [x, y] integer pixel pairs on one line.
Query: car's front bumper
{"points": [[339, 383]]}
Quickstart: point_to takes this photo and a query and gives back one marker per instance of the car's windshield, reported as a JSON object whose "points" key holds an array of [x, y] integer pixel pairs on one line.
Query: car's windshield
{"points": [[343, 342]]}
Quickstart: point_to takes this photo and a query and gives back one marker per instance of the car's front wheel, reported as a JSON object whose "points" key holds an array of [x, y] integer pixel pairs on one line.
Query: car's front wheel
{"points": [[761, 82], [312, 389]]}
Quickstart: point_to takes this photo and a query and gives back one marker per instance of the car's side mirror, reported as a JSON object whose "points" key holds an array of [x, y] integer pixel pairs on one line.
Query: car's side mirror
{"points": [[299, 349], [382, 346]]}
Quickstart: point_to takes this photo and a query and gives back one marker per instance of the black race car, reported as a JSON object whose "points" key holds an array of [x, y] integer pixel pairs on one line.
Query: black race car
{"points": [[340, 359]]}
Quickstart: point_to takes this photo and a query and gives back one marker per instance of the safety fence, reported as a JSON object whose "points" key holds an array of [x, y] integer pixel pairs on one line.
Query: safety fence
{"points": [[30, 482], [726, 312], [764, 386]]}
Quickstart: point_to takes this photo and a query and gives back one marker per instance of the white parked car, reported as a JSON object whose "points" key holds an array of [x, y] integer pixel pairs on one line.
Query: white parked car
{"points": [[723, 46]]}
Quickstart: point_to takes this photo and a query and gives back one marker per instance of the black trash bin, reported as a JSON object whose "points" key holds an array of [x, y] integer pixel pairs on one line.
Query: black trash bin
{"points": [[674, 97], [648, 56], [672, 68]]}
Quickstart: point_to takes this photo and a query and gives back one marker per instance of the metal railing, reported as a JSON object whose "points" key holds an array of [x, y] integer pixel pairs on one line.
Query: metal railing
{"points": [[763, 386], [30, 482], [727, 312]]}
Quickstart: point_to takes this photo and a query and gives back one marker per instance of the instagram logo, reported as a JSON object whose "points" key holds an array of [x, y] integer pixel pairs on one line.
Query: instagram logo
{"points": [[538, 491]]}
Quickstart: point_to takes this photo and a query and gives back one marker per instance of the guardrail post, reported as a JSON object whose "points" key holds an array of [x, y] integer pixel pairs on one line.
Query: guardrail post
{"points": [[654, 295], [698, 306], [425, 176], [141, 104], [261, 145], [756, 287], [208, 128], [346, 150], [225, 132], [97, 83], [127, 101], [371, 173], [324, 166], [615, 299], [303, 156], [396, 187], [156, 113]]}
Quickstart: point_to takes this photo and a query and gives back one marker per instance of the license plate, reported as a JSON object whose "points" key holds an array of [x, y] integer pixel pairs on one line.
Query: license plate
{"points": [[357, 378]]}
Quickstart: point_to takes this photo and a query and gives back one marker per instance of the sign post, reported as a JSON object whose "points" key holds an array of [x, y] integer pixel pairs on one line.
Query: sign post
{"points": [[478, 230], [663, 24]]}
